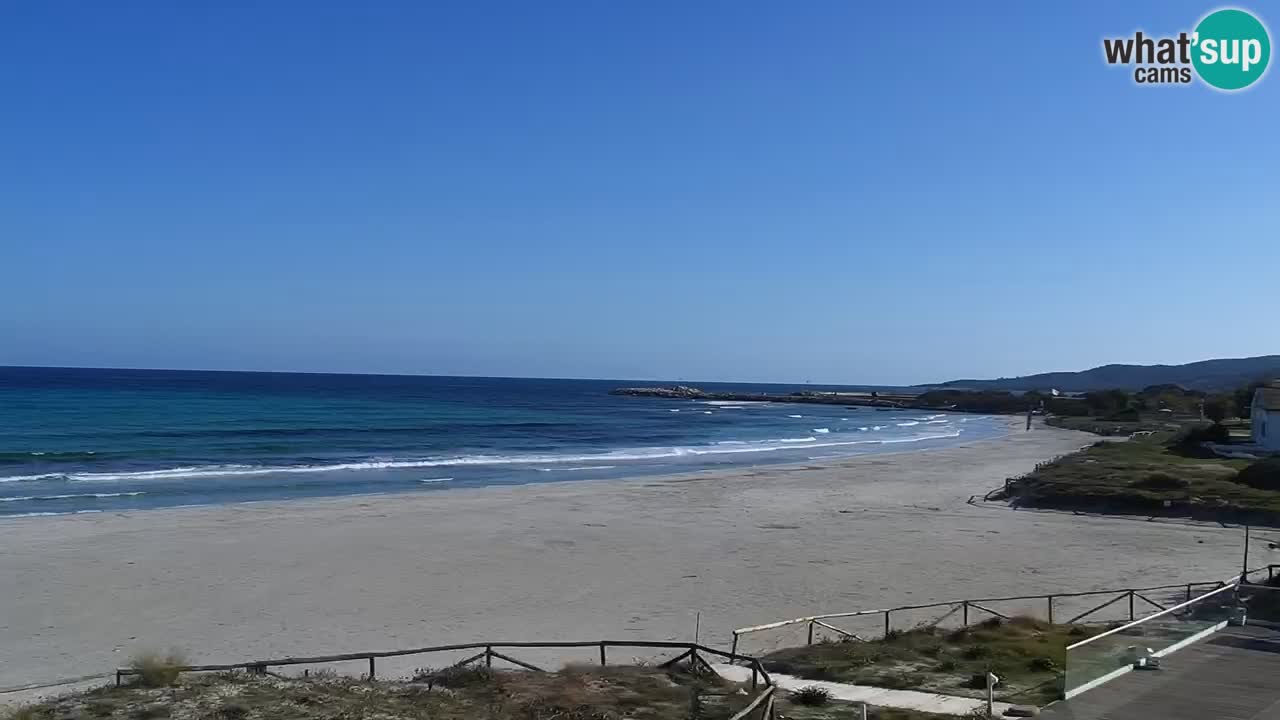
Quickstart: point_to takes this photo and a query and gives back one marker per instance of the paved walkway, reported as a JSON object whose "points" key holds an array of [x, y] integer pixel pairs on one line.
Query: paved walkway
{"points": [[1232, 675], [879, 697]]}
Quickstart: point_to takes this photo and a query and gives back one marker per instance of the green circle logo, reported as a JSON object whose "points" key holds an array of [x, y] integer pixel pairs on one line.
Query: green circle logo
{"points": [[1232, 49]]}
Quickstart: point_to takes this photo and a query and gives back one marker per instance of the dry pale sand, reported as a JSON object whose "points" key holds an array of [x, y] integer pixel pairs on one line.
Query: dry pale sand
{"points": [[579, 560]]}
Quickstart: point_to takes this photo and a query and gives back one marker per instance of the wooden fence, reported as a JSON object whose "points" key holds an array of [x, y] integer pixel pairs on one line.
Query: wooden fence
{"points": [[967, 609], [693, 653]]}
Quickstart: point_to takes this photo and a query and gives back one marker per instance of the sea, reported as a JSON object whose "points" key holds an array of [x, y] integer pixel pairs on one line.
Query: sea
{"points": [[102, 440]]}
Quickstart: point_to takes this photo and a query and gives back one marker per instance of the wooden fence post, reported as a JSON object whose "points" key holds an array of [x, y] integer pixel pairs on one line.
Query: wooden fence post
{"points": [[753, 677], [733, 652], [810, 642], [371, 673], [488, 656], [1188, 592], [1050, 609], [1131, 615], [966, 613], [601, 654], [886, 624]]}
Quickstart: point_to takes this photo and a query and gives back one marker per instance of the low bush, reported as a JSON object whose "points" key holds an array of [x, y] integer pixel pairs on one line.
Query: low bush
{"points": [[1161, 481], [154, 669], [976, 652], [1192, 436], [811, 695], [1262, 475], [1042, 664], [456, 676]]}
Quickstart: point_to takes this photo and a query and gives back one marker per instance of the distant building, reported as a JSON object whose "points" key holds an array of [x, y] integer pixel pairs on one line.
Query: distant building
{"points": [[1266, 416]]}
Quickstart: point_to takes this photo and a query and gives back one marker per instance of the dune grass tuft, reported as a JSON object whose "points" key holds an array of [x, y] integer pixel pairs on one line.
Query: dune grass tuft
{"points": [[156, 669]]}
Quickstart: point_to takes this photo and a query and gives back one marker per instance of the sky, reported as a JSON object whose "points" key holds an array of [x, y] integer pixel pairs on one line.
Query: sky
{"points": [[755, 191]]}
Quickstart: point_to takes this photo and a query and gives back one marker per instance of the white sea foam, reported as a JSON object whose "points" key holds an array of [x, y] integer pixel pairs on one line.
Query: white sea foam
{"points": [[936, 422], [48, 514], [435, 480], [598, 459], [706, 412], [795, 416], [25, 478], [69, 496], [674, 410], [822, 430], [591, 467], [909, 423], [877, 427], [864, 428]]}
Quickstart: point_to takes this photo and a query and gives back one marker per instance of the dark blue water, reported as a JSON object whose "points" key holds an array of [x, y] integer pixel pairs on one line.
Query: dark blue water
{"points": [[84, 440]]}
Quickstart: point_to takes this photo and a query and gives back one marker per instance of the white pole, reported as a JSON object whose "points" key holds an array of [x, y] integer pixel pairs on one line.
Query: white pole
{"points": [[863, 714]]}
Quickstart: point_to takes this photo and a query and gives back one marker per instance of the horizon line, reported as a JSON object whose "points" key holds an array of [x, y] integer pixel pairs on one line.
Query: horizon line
{"points": [[441, 375]]}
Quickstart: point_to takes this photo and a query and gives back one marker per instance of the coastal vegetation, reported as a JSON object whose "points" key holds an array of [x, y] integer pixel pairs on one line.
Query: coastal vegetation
{"points": [[1027, 654], [1163, 473], [574, 693]]}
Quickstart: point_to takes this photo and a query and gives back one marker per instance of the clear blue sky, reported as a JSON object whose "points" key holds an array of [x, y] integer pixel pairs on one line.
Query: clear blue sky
{"points": [[826, 191]]}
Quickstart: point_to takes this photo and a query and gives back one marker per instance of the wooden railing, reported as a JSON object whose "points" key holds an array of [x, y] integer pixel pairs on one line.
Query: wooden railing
{"points": [[967, 608], [694, 654]]}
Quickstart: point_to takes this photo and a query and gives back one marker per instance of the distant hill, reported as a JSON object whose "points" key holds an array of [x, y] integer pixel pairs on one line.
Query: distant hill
{"points": [[1206, 375]]}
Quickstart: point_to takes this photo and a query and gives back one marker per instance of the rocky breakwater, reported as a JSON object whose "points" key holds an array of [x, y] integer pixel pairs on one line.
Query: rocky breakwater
{"points": [[684, 392]]}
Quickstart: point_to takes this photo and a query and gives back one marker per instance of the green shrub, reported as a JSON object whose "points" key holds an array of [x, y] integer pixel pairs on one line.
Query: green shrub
{"points": [[1196, 434], [1042, 664], [1161, 481], [976, 652], [811, 695], [1262, 475], [1125, 415], [456, 676], [898, 681], [153, 669], [151, 712]]}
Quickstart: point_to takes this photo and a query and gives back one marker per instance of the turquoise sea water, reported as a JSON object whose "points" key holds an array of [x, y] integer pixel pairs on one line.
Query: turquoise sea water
{"points": [[82, 440]]}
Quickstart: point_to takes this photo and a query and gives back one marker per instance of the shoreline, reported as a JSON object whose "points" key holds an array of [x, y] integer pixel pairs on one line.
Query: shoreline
{"points": [[635, 558], [60, 491], [834, 463]]}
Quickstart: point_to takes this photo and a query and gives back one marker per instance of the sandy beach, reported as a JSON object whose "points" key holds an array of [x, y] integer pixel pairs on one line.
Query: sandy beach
{"points": [[631, 559]]}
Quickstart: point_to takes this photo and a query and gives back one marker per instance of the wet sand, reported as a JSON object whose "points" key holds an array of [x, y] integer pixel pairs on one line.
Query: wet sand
{"points": [[633, 559]]}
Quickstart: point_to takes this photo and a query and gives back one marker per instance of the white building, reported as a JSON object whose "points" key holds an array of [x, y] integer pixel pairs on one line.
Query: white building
{"points": [[1266, 417]]}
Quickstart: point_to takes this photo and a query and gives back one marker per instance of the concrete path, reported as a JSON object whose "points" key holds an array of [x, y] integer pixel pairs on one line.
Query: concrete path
{"points": [[879, 697]]}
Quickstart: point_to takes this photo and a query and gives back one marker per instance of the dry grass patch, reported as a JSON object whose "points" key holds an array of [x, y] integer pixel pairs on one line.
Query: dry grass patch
{"points": [[1026, 653], [614, 693]]}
